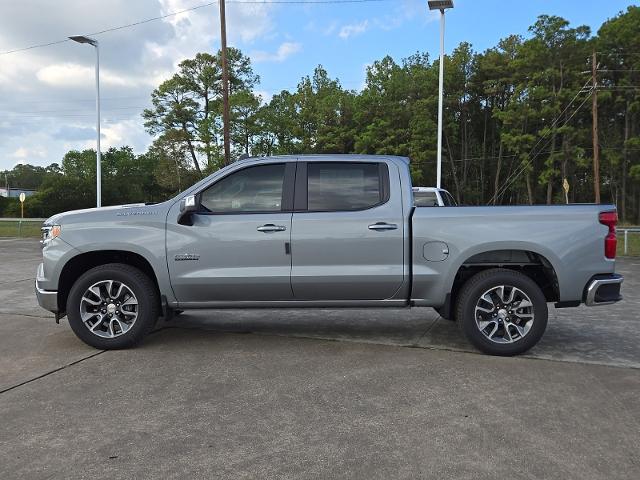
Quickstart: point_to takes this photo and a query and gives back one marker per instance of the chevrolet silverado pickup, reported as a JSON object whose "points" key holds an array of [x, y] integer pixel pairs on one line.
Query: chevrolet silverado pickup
{"points": [[325, 231]]}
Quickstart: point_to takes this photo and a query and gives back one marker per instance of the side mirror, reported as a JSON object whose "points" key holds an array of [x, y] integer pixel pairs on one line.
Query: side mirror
{"points": [[188, 205]]}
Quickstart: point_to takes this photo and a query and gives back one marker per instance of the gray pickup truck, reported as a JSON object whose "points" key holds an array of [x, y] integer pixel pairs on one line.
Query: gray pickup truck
{"points": [[324, 231]]}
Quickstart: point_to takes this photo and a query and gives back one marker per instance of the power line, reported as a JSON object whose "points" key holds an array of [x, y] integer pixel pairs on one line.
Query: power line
{"points": [[511, 178], [45, 101], [73, 100], [493, 157], [197, 7], [259, 87], [605, 70], [618, 87], [618, 54], [69, 110], [553, 124], [520, 170], [122, 116]]}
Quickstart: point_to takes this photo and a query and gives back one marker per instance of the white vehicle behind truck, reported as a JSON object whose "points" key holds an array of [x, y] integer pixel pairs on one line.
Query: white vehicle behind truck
{"points": [[432, 197]]}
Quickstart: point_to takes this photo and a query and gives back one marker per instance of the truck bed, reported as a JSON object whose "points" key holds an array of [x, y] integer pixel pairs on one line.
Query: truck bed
{"points": [[569, 237]]}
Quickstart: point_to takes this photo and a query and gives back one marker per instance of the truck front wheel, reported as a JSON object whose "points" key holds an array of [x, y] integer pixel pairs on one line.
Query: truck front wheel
{"points": [[502, 312], [112, 306]]}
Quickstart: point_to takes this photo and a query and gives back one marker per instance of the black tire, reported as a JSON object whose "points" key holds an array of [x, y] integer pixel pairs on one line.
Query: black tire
{"points": [[480, 283], [147, 300]]}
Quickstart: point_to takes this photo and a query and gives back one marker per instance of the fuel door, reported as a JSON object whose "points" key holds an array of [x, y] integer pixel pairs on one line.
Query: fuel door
{"points": [[435, 251]]}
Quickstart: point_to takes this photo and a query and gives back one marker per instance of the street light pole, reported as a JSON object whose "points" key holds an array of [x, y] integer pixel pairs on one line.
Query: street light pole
{"points": [[440, 100], [98, 151], [94, 43], [440, 5]]}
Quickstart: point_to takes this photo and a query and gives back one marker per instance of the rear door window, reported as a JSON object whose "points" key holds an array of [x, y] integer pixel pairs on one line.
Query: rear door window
{"points": [[344, 186]]}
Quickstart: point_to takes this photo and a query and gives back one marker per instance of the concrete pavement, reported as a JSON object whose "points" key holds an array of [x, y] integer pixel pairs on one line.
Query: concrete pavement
{"points": [[200, 400]]}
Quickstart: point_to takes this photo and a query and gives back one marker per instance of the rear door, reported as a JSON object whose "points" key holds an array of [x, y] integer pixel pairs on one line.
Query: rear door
{"points": [[347, 231]]}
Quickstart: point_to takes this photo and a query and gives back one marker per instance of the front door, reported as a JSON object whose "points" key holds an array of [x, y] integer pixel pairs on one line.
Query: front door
{"points": [[347, 232], [236, 247]]}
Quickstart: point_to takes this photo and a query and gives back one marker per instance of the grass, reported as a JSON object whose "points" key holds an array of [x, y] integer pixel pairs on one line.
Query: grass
{"points": [[13, 229], [633, 248]]}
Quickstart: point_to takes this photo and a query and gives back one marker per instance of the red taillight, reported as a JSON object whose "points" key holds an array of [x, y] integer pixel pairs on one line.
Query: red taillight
{"points": [[610, 219]]}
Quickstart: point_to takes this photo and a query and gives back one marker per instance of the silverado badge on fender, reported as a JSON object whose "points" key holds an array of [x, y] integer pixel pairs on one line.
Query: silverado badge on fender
{"points": [[186, 256]]}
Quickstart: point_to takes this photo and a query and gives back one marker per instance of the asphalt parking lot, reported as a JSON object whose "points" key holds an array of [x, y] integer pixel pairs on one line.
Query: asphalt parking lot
{"points": [[316, 394]]}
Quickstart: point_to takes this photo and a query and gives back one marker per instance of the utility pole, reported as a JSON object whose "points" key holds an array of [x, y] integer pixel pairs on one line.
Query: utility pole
{"points": [[594, 114], [225, 83]]}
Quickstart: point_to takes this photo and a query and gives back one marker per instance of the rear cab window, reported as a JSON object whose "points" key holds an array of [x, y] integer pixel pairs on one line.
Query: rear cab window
{"points": [[346, 186]]}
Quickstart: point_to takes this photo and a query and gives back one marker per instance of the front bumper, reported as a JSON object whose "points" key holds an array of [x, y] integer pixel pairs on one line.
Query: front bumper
{"points": [[48, 299], [603, 290]]}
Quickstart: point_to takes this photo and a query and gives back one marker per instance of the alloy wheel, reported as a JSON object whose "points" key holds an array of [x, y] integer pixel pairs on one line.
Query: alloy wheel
{"points": [[109, 308], [504, 314]]}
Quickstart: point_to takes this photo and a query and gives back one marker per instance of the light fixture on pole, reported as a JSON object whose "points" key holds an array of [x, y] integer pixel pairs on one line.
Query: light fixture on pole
{"points": [[93, 42], [441, 5]]}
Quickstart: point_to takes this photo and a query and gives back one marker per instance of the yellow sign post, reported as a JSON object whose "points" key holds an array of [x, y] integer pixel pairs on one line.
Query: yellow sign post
{"points": [[22, 197], [565, 185]]}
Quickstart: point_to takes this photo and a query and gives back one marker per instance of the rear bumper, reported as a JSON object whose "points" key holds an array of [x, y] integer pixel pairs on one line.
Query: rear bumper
{"points": [[603, 290], [48, 299]]}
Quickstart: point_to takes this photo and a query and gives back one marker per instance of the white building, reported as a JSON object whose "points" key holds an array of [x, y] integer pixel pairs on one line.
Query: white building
{"points": [[13, 192]]}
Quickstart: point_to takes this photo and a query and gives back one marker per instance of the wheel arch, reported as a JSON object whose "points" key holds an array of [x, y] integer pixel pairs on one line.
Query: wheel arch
{"points": [[529, 262], [83, 262]]}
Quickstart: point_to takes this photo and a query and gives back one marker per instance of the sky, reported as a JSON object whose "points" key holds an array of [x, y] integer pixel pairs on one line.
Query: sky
{"points": [[47, 94]]}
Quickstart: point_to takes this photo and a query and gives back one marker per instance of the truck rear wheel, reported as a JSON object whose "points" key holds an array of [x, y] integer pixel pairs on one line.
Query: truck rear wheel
{"points": [[112, 306], [502, 312]]}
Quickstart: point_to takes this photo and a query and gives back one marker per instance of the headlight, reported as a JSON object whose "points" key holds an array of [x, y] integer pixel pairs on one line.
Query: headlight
{"points": [[49, 232]]}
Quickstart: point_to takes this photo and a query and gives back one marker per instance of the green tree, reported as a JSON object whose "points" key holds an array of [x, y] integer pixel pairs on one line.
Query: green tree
{"points": [[618, 46], [275, 124], [244, 120], [188, 106]]}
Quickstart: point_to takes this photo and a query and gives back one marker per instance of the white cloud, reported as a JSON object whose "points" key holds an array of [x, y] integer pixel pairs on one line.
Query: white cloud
{"points": [[46, 94], [199, 30], [127, 131], [24, 153], [402, 11], [331, 28], [353, 29], [285, 50], [72, 74], [116, 134]]}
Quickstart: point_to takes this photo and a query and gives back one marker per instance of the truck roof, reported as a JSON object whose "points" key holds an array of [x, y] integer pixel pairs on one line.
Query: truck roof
{"points": [[428, 189], [344, 157]]}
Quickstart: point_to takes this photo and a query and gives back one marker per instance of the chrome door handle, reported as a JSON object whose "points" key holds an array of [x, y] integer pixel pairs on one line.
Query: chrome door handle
{"points": [[270, 227], [383, 226]]}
